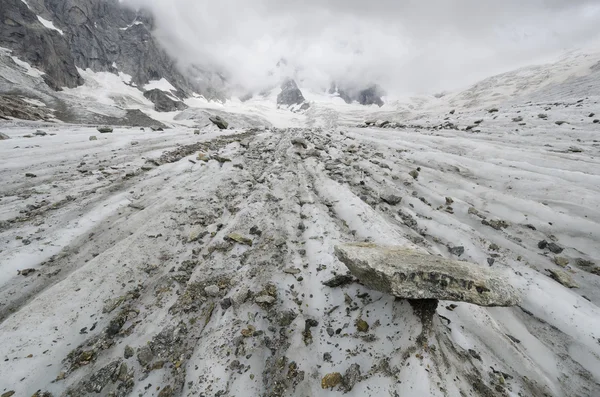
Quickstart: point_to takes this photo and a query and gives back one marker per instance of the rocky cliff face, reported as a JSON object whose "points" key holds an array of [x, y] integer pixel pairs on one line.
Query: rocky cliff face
{"points": [[43, 48], [368, 96], [98, 34], [290, 94]]}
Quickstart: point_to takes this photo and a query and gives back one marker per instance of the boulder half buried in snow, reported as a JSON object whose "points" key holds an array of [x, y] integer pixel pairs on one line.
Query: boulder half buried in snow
{"points": [[410, 274], [219, 122]]}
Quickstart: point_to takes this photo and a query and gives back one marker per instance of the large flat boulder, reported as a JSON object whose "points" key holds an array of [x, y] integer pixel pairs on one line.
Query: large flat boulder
{"points": [[410, 274]]}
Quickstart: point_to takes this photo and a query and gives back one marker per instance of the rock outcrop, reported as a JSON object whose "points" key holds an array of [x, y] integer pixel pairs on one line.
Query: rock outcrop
{"points": [[290, 94], [102, 35], [410, 274], [368, 96], [163, 102], [371, 96], [42, 47]]}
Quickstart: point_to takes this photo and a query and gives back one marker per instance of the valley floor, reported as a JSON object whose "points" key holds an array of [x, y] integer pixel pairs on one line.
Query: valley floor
{"points": [[167, 263]]}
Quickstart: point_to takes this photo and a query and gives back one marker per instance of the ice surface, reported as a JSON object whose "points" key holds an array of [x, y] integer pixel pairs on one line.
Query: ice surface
{"points": [[104, 217]]}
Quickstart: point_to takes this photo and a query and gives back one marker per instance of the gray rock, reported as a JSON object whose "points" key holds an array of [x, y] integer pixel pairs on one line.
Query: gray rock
{"points": [[410, 274], [163, 102], [40, 133], [351, 377], [129, 352], [391, 198], [561, 122], [300, 142], [339, 281], [219, 122], [290, 94], [266, 299], [543, 116], [93, 138], [105, 130], [145, 355], [517, 119], [458, 251], [562, 277], [554, 248], [3, 136], [212, 290]]}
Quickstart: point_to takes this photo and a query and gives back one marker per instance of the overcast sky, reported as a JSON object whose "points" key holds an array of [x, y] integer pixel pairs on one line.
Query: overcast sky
{"points": [[407, 46]]}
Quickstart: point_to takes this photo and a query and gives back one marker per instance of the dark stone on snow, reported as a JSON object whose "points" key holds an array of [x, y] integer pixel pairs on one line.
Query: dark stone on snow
{"points": [[163, 102]]}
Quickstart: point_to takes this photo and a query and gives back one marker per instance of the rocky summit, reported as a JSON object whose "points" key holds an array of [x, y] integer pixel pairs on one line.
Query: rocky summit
{"points": [[410, 274]]}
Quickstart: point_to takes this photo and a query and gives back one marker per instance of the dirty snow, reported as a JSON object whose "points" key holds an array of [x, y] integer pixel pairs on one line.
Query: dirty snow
{"points": [[125, 233]]}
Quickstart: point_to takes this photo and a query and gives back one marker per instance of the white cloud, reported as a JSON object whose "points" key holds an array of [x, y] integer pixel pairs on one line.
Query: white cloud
{"points": [[405, 45]]}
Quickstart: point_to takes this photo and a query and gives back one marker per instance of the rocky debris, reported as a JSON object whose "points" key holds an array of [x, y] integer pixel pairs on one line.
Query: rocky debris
{"points": [[562, 277], [212, 290], [145, 356], [8, 393], [561, 261], [15, 107], [351, 377], [331, 380], [265, 299], [290, 94], [497, 224], [591, 114], [105, 130], [203, 157], [167, 391], [40, 133], [410, 274], [552, 247], [30, 175], [542, 116], [129, 352], [307, 334], [458, 251], [517, 119], [391, 198], [238, 238], [493, 110], [3, 136], [414, 174], [362, 325], [164, 102], [596, 121], [588, 266], [300, 142], [219, 122], [561, 122], [267, 296], [339, 281], [93, 138], [25, 272]]}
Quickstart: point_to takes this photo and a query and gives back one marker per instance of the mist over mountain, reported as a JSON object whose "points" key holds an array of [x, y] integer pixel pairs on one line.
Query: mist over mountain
{"points": [[404, 46]]}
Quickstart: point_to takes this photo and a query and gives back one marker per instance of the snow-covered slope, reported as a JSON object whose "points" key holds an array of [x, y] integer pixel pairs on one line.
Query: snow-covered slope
{"points": [[131, 266]]}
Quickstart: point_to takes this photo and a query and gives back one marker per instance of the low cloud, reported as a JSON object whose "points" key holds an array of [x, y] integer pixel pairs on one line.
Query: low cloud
{"points": [[407, 46]]}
